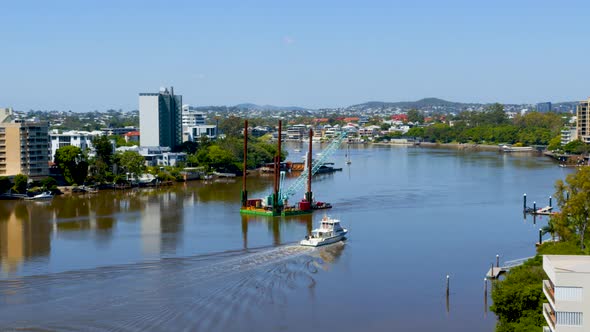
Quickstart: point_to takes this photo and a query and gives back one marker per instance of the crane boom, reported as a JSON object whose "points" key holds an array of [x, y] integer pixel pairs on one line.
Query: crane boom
{"points": [[328, 151]]}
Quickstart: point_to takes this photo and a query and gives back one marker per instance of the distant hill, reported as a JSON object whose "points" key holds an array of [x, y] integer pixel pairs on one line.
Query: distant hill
{"points": [[251, 106], [422, 103]]}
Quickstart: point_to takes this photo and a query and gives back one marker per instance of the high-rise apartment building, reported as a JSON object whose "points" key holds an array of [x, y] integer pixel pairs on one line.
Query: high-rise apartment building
{"points": [[24, 148], [160, 118], [583, 119], [566, 290]]}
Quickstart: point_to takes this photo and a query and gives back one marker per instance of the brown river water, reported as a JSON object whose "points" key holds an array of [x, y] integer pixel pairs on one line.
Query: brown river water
{"points": [[182, 258]]}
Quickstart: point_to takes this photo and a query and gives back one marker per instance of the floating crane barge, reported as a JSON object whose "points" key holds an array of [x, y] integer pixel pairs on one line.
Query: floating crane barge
{"points": [[277, 204]]}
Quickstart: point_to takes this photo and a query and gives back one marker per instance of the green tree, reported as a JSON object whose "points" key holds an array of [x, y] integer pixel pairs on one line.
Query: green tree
{"points": [[20, 183], [494, 114], [415, 116], [5, 184], [576, 147], [231, 126], [49, 183], [131, 162], [72, 162], [518, 300], [439, 132], [573, 199], [189, 147], [218, 158], [415, 132], [554, 143], [104, 149]]}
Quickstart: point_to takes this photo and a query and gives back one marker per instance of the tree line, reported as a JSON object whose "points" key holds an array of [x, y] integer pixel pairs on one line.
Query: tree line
{"points": [[491, 126], [107, 166]]}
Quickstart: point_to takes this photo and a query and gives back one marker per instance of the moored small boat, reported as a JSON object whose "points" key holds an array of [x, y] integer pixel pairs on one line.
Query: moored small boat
{"points": [[42, 196]]}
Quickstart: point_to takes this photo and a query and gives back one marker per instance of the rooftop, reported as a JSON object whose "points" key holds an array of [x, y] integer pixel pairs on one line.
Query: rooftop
{"points": [[570, 263]]}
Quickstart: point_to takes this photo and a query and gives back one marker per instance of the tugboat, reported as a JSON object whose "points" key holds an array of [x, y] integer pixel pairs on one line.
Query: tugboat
{"points": [[330, 231]]}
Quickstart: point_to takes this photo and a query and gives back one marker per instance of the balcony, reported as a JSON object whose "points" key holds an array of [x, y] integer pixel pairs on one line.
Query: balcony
{"points": [[549, 291], [549, 316]]}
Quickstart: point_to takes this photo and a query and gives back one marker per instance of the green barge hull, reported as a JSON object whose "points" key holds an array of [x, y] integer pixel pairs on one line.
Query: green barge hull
{"points": [[270, 213]]}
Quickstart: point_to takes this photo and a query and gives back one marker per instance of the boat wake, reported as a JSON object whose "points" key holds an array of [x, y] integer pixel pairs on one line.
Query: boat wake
{"points": [[207, 292]]}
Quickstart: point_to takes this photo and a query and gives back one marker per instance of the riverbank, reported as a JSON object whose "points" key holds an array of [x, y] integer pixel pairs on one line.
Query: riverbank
{"points": [[455, 146]]}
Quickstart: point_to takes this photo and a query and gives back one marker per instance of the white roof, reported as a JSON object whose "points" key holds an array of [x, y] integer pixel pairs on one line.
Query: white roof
{"points": [[570, 263], [330, 220]]}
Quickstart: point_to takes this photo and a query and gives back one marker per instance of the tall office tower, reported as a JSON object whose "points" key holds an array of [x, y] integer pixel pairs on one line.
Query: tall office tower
{"points": [[24, 148], [160, 118], [583, 121], [544, 107]]}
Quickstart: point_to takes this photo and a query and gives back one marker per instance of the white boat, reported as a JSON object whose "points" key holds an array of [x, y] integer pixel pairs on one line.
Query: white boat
{"points": [[43, 195], [330, 231], [510, 148]]}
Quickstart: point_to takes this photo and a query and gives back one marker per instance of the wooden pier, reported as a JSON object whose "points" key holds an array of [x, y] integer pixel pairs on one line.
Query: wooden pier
{"points": [[496, 271]]}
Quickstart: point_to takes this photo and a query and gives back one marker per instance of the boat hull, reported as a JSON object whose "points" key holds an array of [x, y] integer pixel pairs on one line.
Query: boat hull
{"points": [[316, 242], [271, 213]]}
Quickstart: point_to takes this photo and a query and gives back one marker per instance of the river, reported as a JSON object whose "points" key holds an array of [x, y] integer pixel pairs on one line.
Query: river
{"points": [[182, 257]]}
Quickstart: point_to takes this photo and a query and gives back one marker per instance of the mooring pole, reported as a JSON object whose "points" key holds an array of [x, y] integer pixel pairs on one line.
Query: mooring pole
{"points": [[308, 194], [485, 296], [497, 260], [550, 198], [244, 187], [540, 236], [524, 202], [448, 293], [535, 207]]}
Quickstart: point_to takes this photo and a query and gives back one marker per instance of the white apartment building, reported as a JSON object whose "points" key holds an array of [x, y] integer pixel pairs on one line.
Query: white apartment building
{"points": [[156, 155], [80, 139], [568, 309], [568, 135], [191, 118], [194, 133]]}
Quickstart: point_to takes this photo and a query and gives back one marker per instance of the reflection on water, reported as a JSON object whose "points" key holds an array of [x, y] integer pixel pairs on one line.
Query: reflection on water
{"points": [[274, 225], [23, 234], [27, 228], [217, 292]]}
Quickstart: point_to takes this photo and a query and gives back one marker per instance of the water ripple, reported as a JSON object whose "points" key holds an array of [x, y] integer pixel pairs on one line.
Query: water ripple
{"points": [[206, 292]]}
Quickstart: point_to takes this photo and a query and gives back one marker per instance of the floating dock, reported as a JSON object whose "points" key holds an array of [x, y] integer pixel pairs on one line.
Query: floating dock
{"points": [[544, 211]]}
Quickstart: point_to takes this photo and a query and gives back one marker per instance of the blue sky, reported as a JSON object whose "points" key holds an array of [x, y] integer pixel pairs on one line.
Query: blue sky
{"points": [[94, 55]]}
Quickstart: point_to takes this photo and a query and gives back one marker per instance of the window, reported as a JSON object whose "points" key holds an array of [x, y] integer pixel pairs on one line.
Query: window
{"points": [[568, 293], [569, 318]]}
